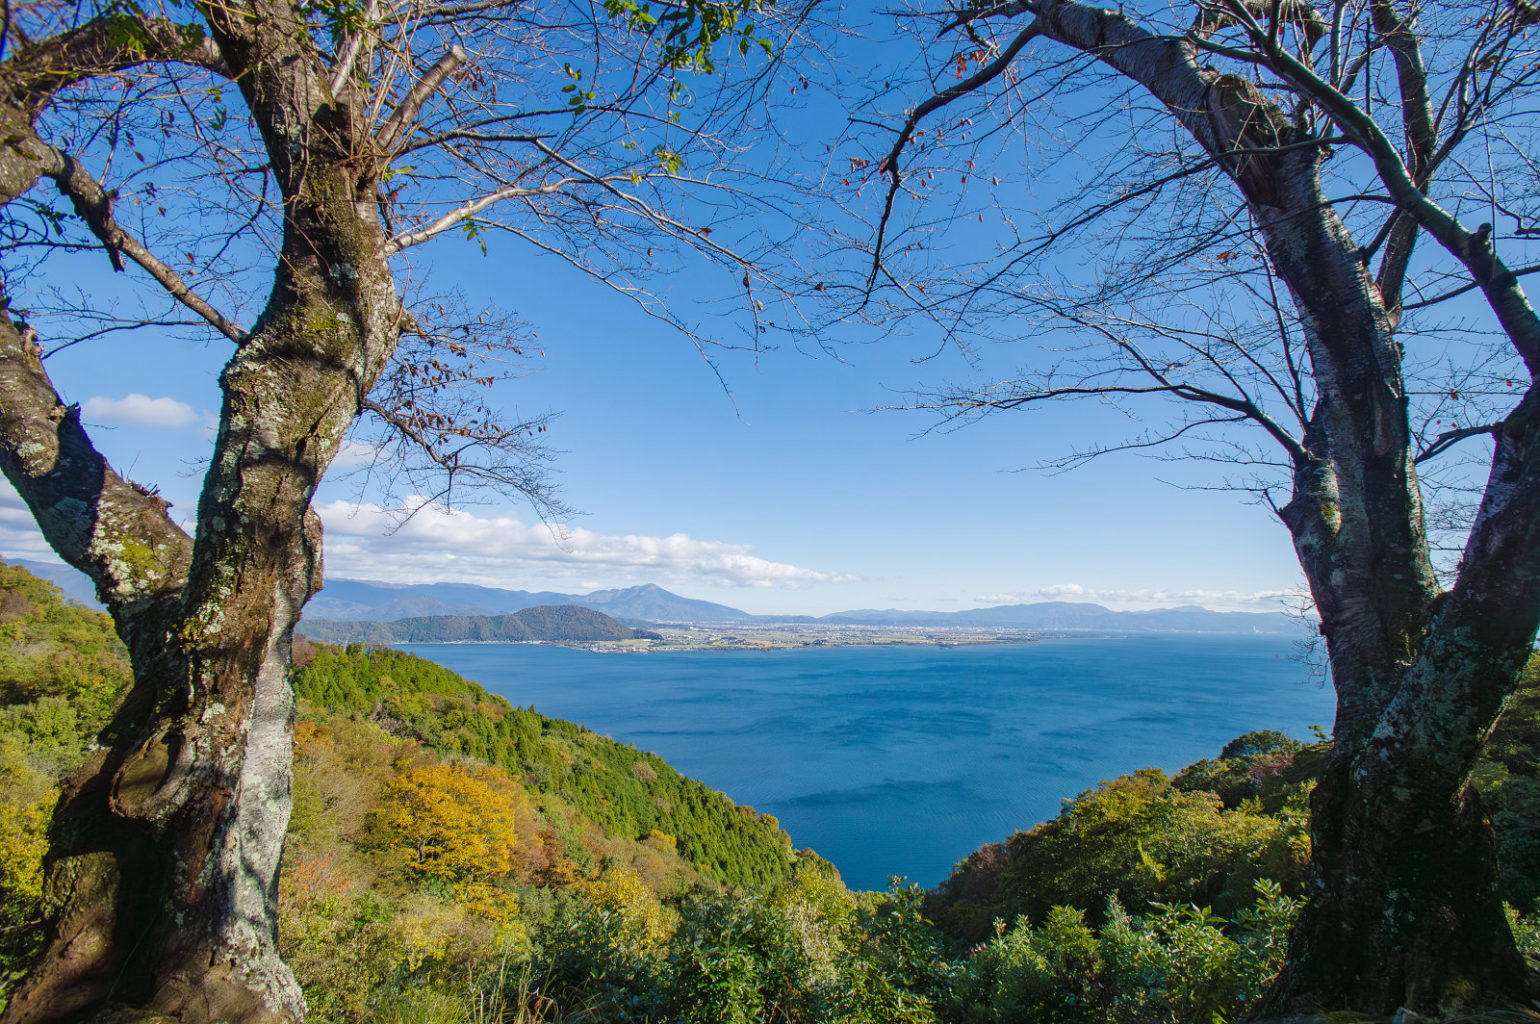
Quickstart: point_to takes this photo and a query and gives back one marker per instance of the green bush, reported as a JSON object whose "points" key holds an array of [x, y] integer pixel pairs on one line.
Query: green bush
{"points": [[1178, 964], [1140, 838]]}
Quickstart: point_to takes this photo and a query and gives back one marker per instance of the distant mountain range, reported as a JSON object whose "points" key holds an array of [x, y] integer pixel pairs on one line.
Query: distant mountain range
{"points": [[359, 601], [383, 602], [1064, 615], [567, 623]]}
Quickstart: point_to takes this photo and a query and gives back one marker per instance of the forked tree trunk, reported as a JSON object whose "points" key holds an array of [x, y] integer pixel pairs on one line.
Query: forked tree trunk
{"points": [[164, 853], [1403, 909], [165, 847]]}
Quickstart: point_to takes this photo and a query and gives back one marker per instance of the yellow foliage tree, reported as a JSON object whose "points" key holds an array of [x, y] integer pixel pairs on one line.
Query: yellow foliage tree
{"points": [[458, 824], [26, 804], [636, 917]]}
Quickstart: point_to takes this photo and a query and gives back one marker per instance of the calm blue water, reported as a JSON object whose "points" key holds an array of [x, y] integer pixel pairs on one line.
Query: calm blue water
{"points": [[902, 760]]}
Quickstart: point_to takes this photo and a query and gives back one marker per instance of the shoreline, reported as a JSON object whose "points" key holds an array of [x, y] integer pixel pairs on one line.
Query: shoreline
{"points": [[793, 638]]}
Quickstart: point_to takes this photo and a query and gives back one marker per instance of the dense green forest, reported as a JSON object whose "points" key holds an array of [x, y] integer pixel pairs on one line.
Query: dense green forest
{"points": [[549, 623], [453, 859]]}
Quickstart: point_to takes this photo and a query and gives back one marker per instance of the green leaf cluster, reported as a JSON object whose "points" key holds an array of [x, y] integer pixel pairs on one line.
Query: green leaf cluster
{"points": [[690, 31], [51, 647], [807, 950], [1142, 838]]}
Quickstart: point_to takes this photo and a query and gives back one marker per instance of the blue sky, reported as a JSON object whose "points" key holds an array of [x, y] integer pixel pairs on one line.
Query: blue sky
{"points": [[788, 495]]}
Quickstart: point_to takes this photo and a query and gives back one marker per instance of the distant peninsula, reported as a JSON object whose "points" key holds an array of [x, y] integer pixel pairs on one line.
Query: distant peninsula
{"points": [[562, 624]]}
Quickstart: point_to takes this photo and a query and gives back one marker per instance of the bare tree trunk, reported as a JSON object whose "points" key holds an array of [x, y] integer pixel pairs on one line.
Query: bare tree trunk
{"points": [[166, 845], [1403, 907]]}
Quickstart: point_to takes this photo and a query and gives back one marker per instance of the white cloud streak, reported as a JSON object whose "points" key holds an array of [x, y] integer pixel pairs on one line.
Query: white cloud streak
{"points": [[136, 410], [19, 535], [355, 453], [1218, 600], [500, 550]]}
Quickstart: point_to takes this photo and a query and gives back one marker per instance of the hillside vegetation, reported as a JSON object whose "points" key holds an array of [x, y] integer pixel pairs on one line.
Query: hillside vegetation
{"points": [[550, 623], [1207, 835], [453, 859], [625, 791]]}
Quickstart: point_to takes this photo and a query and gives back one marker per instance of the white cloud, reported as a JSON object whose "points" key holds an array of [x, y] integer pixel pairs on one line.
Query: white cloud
{"points": [[439, 544], [19, 535], [136, 410], [355, 453], [1218, 600]]}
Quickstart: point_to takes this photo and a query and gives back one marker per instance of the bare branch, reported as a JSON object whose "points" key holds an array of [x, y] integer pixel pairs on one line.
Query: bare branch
{"points": [[1449, 438], [978, 79], [1471, 286], [400, 122], [94, 204], [83, 507], [464, 213], [1472, 248], [351, 48]]}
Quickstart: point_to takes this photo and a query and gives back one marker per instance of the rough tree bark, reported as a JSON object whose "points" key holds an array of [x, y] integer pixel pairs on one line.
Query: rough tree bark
{"points": [[166, 844], [1403, 909]]}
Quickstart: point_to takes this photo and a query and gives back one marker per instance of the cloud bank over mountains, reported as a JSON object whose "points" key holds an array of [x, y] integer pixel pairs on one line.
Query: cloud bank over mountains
{"points": [[437, 543], [1219, 600], [500, 550]]}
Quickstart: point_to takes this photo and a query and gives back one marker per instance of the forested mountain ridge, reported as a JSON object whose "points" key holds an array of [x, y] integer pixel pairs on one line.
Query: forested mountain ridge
{"points": [[546, 623]]}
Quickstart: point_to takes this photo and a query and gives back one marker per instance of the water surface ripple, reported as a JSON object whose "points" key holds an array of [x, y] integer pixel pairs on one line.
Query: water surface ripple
{"points": [[902, 760]]}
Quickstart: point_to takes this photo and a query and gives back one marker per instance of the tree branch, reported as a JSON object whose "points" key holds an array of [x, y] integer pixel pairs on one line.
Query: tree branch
{"points": [[1473, 249], [407, 239], [1417, 122], [351, 48], [110, 529], [1449, 438], [399, 122], [94, 205], [1521, 272], [982, 77]]}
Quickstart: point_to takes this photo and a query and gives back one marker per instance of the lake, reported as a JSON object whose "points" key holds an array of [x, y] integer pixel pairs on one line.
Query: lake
{"points": [[903, 760]]}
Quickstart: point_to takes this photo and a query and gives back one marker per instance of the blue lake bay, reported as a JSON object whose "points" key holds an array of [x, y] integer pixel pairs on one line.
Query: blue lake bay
{"points": [[902, 760]]}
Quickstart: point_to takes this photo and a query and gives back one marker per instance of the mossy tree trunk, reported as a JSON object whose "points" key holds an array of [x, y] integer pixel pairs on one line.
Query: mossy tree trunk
{"points": [[1403, 909], [165, 849]]}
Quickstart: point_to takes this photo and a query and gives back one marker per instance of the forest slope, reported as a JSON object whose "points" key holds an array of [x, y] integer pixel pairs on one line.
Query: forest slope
{"points": [[625, 791], [549, 624]]}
